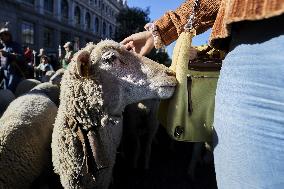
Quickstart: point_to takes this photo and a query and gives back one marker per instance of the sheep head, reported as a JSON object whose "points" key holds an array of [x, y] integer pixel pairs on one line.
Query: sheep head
{"points": [[125, 77]]}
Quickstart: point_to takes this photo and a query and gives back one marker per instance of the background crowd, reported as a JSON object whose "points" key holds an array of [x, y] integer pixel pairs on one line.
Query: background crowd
{"points": [[18, 64]]}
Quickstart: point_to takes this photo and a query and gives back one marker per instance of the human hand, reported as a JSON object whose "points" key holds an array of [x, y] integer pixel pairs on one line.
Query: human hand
{"points": [[141, 42]]}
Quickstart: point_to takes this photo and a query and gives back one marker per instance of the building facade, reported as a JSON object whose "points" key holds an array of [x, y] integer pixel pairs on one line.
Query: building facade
{"points": [[50, 23]]}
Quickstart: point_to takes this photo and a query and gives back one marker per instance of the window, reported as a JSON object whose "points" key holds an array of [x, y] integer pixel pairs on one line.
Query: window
{"points": [[104, 28], [29, 1], [76, 43], [88, 20], [64, 9], [47, 37], [97, 25], [77, 15], [27, 33], [48, 5], [64, 37], [110, 31]]}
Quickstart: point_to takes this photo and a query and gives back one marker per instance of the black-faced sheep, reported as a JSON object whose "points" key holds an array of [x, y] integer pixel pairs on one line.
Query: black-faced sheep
{"points": [[99, 82]]}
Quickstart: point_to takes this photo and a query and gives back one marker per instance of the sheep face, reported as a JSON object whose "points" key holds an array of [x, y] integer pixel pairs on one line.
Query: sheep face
{"points": [[126, 77], [99, 82]]}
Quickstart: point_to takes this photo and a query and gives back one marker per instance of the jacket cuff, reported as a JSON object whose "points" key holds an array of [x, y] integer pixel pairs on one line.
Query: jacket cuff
{"points": [[166, 29]]}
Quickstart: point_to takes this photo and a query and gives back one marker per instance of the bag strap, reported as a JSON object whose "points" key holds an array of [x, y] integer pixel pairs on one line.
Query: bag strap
{"points": [[189, 25]]}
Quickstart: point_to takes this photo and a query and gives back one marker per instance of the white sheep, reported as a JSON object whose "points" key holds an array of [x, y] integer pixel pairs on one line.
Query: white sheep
{"points": [[25, 86], [57, 76], [25, 138], [49, 89], [6, 97], [99, 82], [46, 77]]}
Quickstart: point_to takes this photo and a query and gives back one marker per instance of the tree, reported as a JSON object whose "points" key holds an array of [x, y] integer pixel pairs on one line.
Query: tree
{"points": [[133, 20]]}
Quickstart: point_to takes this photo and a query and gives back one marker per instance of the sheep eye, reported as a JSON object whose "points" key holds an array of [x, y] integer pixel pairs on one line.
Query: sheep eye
{"points": [[109, 57]]}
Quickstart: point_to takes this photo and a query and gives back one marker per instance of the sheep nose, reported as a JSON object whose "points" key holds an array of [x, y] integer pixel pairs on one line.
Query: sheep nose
{"points": [[170, 73]]}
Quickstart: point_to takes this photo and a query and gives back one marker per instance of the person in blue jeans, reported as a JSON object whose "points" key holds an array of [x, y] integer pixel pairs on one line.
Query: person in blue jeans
{"points": [[249, 102], [11, 59]]}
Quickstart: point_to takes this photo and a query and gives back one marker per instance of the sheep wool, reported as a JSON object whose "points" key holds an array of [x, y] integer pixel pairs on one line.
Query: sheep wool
{"points": [[50, 90], [25, 86], [81, 104], [25, 137], [6, 97]]}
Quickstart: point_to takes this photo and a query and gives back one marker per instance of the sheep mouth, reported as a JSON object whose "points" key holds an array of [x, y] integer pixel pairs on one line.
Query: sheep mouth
{"points": [[168, 85], [166, 82], [165, 92]]}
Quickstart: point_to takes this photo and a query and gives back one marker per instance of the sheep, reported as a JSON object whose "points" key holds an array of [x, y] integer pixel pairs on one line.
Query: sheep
{"points": [[97, 85], [25, 138], [57, 76], [140, 125], [49, 89], [47, 76], [6, 97], [25, 86]]}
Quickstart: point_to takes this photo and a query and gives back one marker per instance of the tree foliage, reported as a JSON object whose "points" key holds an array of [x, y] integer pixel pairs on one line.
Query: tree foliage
{"points": [[131, 20], [160, 57]]}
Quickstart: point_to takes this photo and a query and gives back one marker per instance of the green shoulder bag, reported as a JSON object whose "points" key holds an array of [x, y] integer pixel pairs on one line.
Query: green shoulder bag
{"points": [[188, 115]]}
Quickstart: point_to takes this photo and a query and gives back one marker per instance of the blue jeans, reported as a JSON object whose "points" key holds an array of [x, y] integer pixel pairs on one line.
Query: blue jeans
{"points": [[11, 80], [249, 109]]}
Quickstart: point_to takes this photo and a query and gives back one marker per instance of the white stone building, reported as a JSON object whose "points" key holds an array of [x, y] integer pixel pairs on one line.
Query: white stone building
{"points": [[49, 23]]}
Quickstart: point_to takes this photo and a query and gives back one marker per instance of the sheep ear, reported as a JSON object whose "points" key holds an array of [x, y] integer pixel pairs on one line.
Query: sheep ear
{"points": [[83, 64]]}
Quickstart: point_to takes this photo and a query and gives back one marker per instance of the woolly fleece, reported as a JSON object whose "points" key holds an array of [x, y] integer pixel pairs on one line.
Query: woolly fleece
{"points": [[25, 137]]}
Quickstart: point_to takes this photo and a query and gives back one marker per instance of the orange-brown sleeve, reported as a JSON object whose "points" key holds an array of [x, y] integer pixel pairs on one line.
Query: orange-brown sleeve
{"points": [[171, 24]]}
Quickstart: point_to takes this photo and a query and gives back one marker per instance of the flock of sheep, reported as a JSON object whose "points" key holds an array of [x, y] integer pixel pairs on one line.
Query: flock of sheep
{"points": [[73, 122]]}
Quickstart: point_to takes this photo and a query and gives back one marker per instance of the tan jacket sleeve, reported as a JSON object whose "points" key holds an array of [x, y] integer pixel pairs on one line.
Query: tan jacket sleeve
{"points": [[172, 23]]}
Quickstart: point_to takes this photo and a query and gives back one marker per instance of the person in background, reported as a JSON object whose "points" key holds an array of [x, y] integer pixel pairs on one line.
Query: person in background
{"points": [[12, 61], [69, 52], [28, 56], [44, 66], [54, 62], [37, 61], [1, 72], [249, 101], [40, 54]]}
